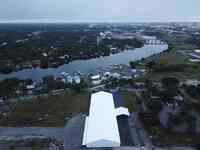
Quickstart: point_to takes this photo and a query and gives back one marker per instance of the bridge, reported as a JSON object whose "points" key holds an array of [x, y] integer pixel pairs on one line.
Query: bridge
{"points": [[154, 42], [151, 40]]}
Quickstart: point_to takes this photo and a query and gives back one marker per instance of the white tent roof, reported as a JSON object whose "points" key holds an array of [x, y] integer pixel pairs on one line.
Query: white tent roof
{"points": [[122, 111], [101, 128]]}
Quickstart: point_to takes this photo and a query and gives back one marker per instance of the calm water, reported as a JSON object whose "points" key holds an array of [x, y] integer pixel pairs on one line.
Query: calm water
{"points": [[86, 66]]}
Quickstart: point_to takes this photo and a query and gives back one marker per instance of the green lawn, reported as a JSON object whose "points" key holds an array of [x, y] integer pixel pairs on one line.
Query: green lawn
{"points": [[54, 110], [172, 57]]}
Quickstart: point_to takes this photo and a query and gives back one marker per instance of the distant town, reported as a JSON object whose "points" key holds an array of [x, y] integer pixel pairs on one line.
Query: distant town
{"points": [[100, 86]]}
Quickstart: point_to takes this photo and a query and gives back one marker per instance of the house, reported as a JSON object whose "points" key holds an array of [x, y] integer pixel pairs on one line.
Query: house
{"points": [[3, 107], [106, 123], [107, 74], [116, 75], [1, 102], [45, 54], [58, 92], [133, 70], [63, 80], [4, 44], [69, 79], [197, 51], [77, 79], [189, 82], [195, 54], [64, 74], [194, 60], [96, 79], [30, 87]]}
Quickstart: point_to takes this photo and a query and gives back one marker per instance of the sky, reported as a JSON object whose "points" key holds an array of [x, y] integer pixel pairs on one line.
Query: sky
{"points": [[99, 10]]}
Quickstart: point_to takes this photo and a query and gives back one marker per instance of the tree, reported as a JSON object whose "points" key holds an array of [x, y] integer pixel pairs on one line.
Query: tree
{"points": [[149, 119], [28, 81], [80, 86], [49, 81], [167, 96], [191, 120], [170, 83], [36, 147], [150, 65], [193, 91], [44, 63], [12, 147], [59, 84], [9, 86], [175, 119], [148, 84], [154, 106], [132, 64]]}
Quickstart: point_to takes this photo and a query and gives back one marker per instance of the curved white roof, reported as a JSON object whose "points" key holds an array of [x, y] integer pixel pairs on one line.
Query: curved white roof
{"points": [[197, 50], [101, 128], [122, 111]]}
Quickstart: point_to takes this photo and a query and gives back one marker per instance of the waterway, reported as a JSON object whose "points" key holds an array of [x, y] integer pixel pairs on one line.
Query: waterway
{"points": [[90, 65]]}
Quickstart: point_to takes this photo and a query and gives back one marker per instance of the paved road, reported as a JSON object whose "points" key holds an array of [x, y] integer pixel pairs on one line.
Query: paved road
{"points": [[140, 136], [134, 132], [74, 133], [34, 131]]}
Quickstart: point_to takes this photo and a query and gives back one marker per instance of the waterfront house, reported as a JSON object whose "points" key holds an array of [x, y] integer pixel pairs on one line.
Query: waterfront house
{"points": [[116, 75], [69, 79], [30, 87], [77, 79], [96, 79]]}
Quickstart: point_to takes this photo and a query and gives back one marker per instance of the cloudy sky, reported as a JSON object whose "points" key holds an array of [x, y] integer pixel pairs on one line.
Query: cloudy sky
{"points": [[99, 10]]}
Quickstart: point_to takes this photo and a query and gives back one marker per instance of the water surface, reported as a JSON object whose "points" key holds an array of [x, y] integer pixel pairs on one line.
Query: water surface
{"points": [[86, 66]]}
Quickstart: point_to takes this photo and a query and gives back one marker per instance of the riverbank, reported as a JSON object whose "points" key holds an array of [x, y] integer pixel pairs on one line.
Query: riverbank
{"points": [[87, 66], [28, 46], [170, 63]]}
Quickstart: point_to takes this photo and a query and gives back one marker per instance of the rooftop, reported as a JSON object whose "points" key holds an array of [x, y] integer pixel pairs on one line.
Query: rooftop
{"points": [[101, 126]]}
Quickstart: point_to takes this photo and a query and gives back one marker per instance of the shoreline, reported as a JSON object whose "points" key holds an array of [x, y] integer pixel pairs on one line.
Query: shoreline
{"points": [[89, 65]]}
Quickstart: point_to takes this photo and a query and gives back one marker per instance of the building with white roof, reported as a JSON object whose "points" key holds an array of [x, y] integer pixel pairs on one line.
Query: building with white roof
{"points": [[101, 125], [116, 75], [77, 79], [96, 79], [197, 50], [65, 74], [31, 86]]}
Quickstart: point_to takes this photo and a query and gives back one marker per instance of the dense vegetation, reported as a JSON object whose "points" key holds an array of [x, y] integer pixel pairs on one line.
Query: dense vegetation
{"points": [[179, 124], [52, 45]]}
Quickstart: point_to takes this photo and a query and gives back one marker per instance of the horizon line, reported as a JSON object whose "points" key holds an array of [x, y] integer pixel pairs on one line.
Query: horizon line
{"points": [[88, 21]]}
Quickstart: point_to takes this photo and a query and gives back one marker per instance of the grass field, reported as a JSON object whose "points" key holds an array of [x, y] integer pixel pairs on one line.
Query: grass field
{"points": [[129, 100], [165, 137], [51, 111], [172, 57], [54, 110]]}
